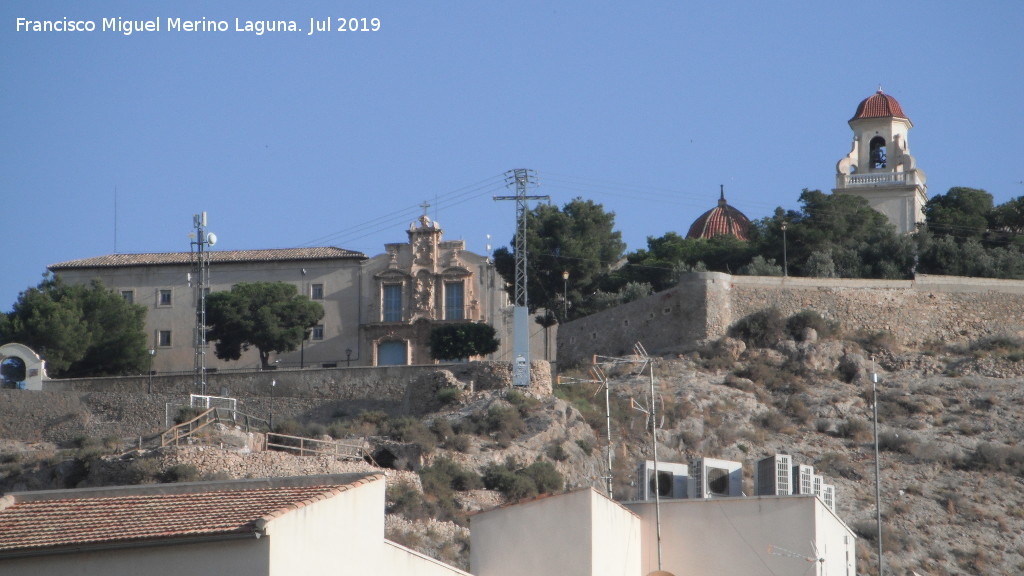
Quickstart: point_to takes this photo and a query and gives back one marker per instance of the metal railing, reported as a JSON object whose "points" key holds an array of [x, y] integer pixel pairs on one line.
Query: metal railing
{"points": [[179, 432], [271, 440], [312, 447]]}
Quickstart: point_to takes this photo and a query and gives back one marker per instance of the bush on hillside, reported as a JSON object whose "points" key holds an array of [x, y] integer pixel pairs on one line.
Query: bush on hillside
{"points": [[797, 323], [762, 329]]}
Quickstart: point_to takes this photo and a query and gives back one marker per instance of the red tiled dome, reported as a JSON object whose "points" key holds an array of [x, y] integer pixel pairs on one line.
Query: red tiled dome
{"points": [[879, 105], [722, 219]]}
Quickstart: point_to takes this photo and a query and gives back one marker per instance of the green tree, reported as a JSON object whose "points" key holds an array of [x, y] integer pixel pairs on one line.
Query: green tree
{"points": [[268, 316], [580, 238], [666, 257], [80, 330], [962, 213], [462, 340], [1006, 222], [835, 234]]}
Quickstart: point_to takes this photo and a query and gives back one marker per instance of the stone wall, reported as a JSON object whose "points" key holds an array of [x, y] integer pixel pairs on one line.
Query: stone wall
{"points": [[704, 305], [126, 407]]}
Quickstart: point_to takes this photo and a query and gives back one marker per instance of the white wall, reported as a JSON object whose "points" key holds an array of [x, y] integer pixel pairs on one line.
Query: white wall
{"points": [[324, 536], [576, 534], [248, 556], [733, 536]]}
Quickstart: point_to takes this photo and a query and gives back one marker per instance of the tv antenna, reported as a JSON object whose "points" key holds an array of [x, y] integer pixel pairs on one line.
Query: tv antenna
{"points": [[647, 363], [598, 376]]}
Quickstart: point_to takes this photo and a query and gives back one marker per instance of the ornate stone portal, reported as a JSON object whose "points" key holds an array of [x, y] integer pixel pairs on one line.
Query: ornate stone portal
{"points": [[425, 281]]}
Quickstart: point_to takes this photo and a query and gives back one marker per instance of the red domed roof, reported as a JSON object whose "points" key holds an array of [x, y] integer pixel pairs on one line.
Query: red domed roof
{"points": [[723, 219], [879, 105]]}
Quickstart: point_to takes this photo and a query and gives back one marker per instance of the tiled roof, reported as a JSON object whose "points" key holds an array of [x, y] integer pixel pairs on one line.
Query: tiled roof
{"points": [[216, 257], [722, 219], [46, 521], [879, 105]]}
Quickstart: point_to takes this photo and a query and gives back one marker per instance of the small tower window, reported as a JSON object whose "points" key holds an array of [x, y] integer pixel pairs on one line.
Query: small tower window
{"points": [[878, 152]]}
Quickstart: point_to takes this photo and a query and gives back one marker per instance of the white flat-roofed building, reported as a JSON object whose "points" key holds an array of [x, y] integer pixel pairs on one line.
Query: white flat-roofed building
{"points": [[753, 535]]}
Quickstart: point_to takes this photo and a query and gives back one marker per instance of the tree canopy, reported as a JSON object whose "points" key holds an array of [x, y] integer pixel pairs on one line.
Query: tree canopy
{"points": [[580, 238], [961, 213], [666, 257], [462, 340], [80, 330], [268, 316]]}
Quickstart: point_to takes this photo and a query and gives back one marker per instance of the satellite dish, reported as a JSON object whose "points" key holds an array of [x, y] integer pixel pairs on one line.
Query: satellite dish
{"points": [[211, 238]]}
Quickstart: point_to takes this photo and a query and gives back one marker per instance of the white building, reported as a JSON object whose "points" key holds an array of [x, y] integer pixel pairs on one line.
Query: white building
{"points": [[377, 311], [752, 535], [334, 524], [580, 533], [283, 526]]}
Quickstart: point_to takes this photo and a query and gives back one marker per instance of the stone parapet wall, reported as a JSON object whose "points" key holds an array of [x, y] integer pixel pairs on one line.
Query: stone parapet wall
{"points": [[382, 383], [703, 306], [126, 407]]}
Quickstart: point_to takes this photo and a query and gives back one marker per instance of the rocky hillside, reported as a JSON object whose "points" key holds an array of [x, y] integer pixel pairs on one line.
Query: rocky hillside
{"points": [[949, 421]]}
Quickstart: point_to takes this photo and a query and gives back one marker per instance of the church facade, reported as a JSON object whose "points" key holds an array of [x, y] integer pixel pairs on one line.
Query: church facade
{"points": [[879, 166], [377, 311]]}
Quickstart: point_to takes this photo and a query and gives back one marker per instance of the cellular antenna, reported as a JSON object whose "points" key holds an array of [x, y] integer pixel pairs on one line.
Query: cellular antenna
{"points": [[201, 241]]}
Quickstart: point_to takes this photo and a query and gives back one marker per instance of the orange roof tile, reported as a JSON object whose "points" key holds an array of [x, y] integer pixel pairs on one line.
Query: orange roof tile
{"points": [[216, 257], [879, 105], [140, 514], [722, 219]]}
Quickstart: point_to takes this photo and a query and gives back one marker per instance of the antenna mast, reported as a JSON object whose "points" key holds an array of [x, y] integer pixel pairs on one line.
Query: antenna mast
{"points": [[522, 179], [201, 240], [648, 364]]}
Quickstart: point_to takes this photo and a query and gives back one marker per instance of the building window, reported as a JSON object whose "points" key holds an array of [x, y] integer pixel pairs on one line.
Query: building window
{"points": [[128, 295], [318, 332], [163, 338], [316, 292], [392, 307], [164, 298], [454, 300]]}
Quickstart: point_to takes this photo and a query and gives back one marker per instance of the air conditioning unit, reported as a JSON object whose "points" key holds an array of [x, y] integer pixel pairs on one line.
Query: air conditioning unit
{"points": [[828, 495], [717, 478], [803, 479], [673, 480], [774, 476]]}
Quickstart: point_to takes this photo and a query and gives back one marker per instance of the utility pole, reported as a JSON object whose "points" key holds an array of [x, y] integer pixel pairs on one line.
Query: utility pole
{"points": [[878, 472], [522, 179], [202, 240]]}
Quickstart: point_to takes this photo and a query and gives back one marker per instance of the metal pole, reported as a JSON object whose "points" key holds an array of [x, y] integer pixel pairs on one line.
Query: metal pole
{"points": [[608, 422], [657, 488], [878, 476], [565, 295], [785, 260], [152, 352], [273, 384]]}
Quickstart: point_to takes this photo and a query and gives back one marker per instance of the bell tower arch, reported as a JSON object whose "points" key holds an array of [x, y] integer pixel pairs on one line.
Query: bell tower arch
{"points": [[880, 167]]}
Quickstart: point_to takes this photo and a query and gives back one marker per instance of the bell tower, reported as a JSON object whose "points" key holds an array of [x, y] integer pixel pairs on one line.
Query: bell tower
{"points": [[879, 166]]}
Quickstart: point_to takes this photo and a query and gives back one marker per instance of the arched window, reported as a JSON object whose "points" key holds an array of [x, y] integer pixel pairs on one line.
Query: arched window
{"points": [[878, 152]]}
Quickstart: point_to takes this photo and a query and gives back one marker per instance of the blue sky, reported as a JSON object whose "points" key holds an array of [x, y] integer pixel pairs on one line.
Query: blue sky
{"points": [[112, 142]]}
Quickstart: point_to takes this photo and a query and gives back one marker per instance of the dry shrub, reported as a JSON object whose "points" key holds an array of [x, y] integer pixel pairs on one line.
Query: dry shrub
{"points": [[855, 429]]}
